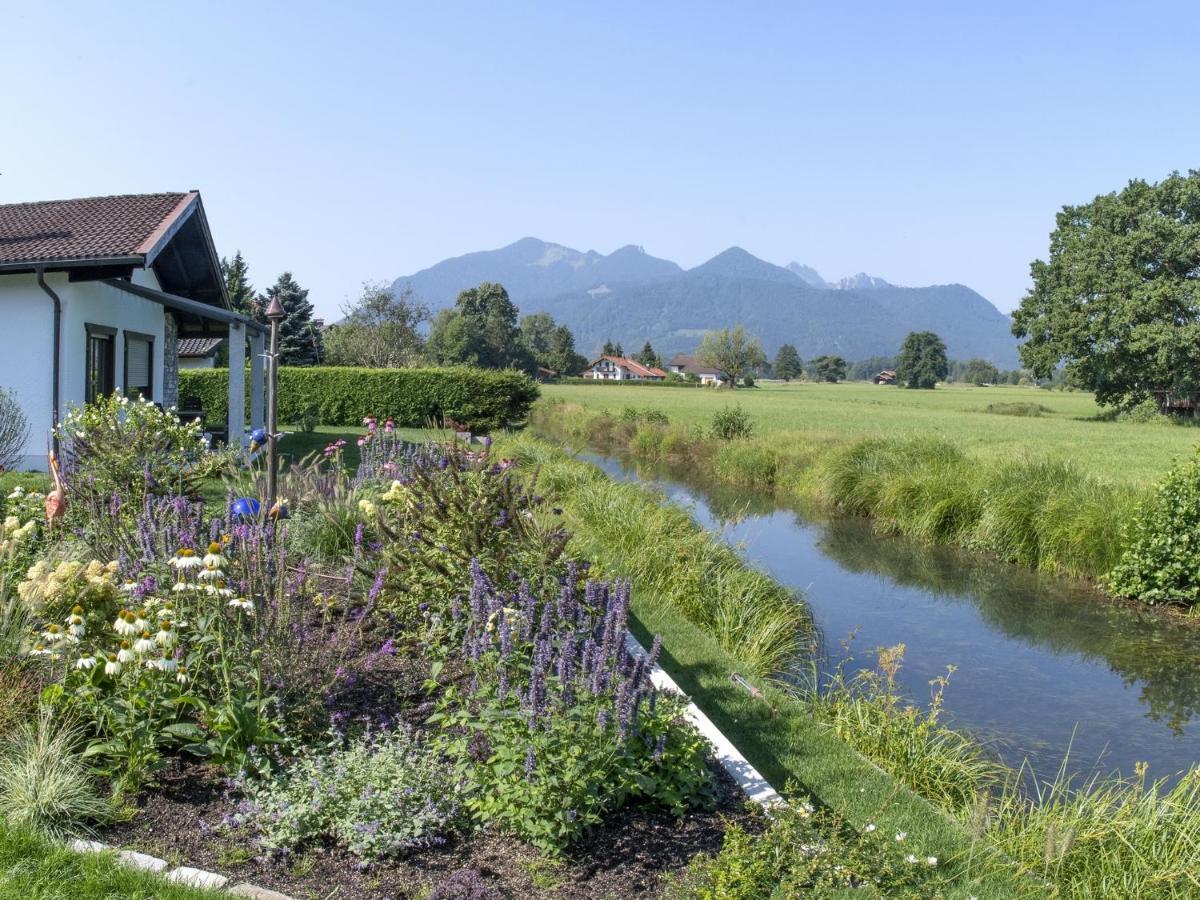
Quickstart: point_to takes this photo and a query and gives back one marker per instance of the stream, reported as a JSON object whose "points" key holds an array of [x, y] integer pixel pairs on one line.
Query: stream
{"points": [[1047, 669]]}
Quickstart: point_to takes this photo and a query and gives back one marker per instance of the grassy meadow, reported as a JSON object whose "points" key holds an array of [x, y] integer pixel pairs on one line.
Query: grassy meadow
{"points": [[1070, 428], [1040, 478]]}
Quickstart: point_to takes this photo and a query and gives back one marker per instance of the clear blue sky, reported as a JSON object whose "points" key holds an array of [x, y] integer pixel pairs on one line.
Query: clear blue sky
{"points": [[923, 142]]}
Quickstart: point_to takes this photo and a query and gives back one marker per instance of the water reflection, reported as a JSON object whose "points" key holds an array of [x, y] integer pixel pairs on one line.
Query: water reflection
{"points": [[1045, 665]]}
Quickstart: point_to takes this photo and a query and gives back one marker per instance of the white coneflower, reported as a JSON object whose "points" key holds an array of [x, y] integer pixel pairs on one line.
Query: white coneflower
{"points": [[145, 644], [186, 559], [181, 676], [139, 622], [241, 603], [219, 590], [41, 650], [211, 576], [129, 587], [75, 624], [166, 664], [124, 624], [165, 637], [213, 559], [113, 666], [125, 654], [180, 586], [84, 663], [54, 634]]}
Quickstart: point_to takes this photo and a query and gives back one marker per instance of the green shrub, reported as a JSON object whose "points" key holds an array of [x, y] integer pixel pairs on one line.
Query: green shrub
{"points": [[376, 797], [731, 423], [1162, 561], [562, 725], [648, 415], [1017, 409], [798, 851], [44, 782], [479, 399]]}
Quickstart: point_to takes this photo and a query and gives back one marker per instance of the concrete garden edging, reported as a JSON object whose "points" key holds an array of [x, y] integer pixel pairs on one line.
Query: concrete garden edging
{"points": [[749, 779], [186, 875]]}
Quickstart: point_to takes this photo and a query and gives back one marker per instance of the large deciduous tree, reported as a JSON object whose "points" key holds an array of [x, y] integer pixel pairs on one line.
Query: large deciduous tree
{"points": [[379, 330], [922, 362], [1118, 301], [551, 345], [788, 364], [828, 368], [980, 372], [481, 330], [300, 342], [731, 350]]}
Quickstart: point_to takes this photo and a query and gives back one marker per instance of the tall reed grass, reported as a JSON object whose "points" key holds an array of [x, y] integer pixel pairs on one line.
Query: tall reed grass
{"points": [[673, 561], [1044, 514]]}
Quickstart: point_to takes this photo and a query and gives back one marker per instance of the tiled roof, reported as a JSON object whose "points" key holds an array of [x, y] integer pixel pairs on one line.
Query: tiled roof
{"points": [[633, 366], [91, 227], [197, 347]]}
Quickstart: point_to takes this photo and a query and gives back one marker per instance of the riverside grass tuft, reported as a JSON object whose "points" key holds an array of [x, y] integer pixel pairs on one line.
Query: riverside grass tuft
{"points": [[753, 617], [1044, 513]]}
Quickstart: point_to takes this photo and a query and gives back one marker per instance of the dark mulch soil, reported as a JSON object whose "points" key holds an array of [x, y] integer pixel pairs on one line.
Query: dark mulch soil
{"points": [[629, 856]]}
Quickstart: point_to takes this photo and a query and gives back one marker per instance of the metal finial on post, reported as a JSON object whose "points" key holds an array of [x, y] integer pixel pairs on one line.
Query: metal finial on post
{"points": [[275, 315]]}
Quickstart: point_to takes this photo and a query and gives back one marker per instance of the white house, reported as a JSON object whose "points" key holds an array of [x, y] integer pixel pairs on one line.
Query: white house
{"points": [[682, 364], [94, 295], [619, 368]]}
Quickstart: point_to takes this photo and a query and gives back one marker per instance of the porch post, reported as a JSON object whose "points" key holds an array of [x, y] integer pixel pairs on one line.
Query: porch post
{"points": [[258, 381], [237, 384]]}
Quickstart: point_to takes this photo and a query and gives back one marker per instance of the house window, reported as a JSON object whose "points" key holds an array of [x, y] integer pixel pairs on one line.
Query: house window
{"points": [[100, 365], [139, 365]]}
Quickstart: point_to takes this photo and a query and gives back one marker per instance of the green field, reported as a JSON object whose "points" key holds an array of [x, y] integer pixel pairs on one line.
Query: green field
{"points": [[1073, 429]]}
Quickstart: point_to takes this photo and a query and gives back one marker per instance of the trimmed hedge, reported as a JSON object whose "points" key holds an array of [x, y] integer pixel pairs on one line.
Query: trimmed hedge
{"points": [[480, 399]]}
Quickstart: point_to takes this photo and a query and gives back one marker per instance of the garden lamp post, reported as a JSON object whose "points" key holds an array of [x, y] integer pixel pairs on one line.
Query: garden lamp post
{"points": [[275, 315]]}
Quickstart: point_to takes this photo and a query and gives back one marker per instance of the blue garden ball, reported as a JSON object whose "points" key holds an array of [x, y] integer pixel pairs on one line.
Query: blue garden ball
{"points": [[259, 436], [245, 508]]}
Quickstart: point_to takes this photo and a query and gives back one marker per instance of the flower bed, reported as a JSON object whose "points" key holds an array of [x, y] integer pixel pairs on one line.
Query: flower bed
{"points": [[404, 685]]}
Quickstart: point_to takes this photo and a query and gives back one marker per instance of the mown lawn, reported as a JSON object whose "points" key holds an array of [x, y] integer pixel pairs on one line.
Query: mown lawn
{"points": [[32, 868], [1070, 429]]}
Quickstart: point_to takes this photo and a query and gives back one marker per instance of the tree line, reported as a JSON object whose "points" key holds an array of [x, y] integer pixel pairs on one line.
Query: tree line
{"points": [[383, 328]]}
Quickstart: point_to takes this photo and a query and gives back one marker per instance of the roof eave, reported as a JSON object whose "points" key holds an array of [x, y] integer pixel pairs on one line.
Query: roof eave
{"points": [[32, 265]]}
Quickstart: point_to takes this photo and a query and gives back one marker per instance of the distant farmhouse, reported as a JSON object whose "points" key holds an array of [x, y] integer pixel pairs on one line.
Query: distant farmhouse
{"points": [[682, 364], [887, 376], [620, 368]]}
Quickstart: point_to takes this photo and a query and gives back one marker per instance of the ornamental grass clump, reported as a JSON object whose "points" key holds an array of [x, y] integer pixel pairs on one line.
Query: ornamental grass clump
{"points": [[560, 724], [44, 782]]}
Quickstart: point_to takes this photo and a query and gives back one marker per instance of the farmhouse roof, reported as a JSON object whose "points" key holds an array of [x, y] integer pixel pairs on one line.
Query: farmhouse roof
{"points": [[197, 348], [632, 365], [109, 236]]}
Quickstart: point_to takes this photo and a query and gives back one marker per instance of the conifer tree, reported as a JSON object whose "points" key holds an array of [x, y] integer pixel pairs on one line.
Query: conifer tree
{"points": [[299, 338]]}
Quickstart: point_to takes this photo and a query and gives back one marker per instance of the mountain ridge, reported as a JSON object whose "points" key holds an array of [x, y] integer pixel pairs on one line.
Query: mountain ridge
{"points": [[632, 296]]}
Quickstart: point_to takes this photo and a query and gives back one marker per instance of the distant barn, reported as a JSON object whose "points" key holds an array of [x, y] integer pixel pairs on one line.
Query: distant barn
{"points": [[887, 376]]}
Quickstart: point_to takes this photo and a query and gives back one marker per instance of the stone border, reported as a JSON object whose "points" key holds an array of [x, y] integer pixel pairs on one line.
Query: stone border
{"points": [[186, 875], [755, 786]]}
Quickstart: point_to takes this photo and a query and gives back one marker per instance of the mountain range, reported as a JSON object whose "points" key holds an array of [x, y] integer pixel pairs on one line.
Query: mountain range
{"points": [[630, 297]]}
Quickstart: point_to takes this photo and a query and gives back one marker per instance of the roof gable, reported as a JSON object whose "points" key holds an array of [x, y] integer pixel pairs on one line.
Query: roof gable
{"points": [[98, 236]]}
